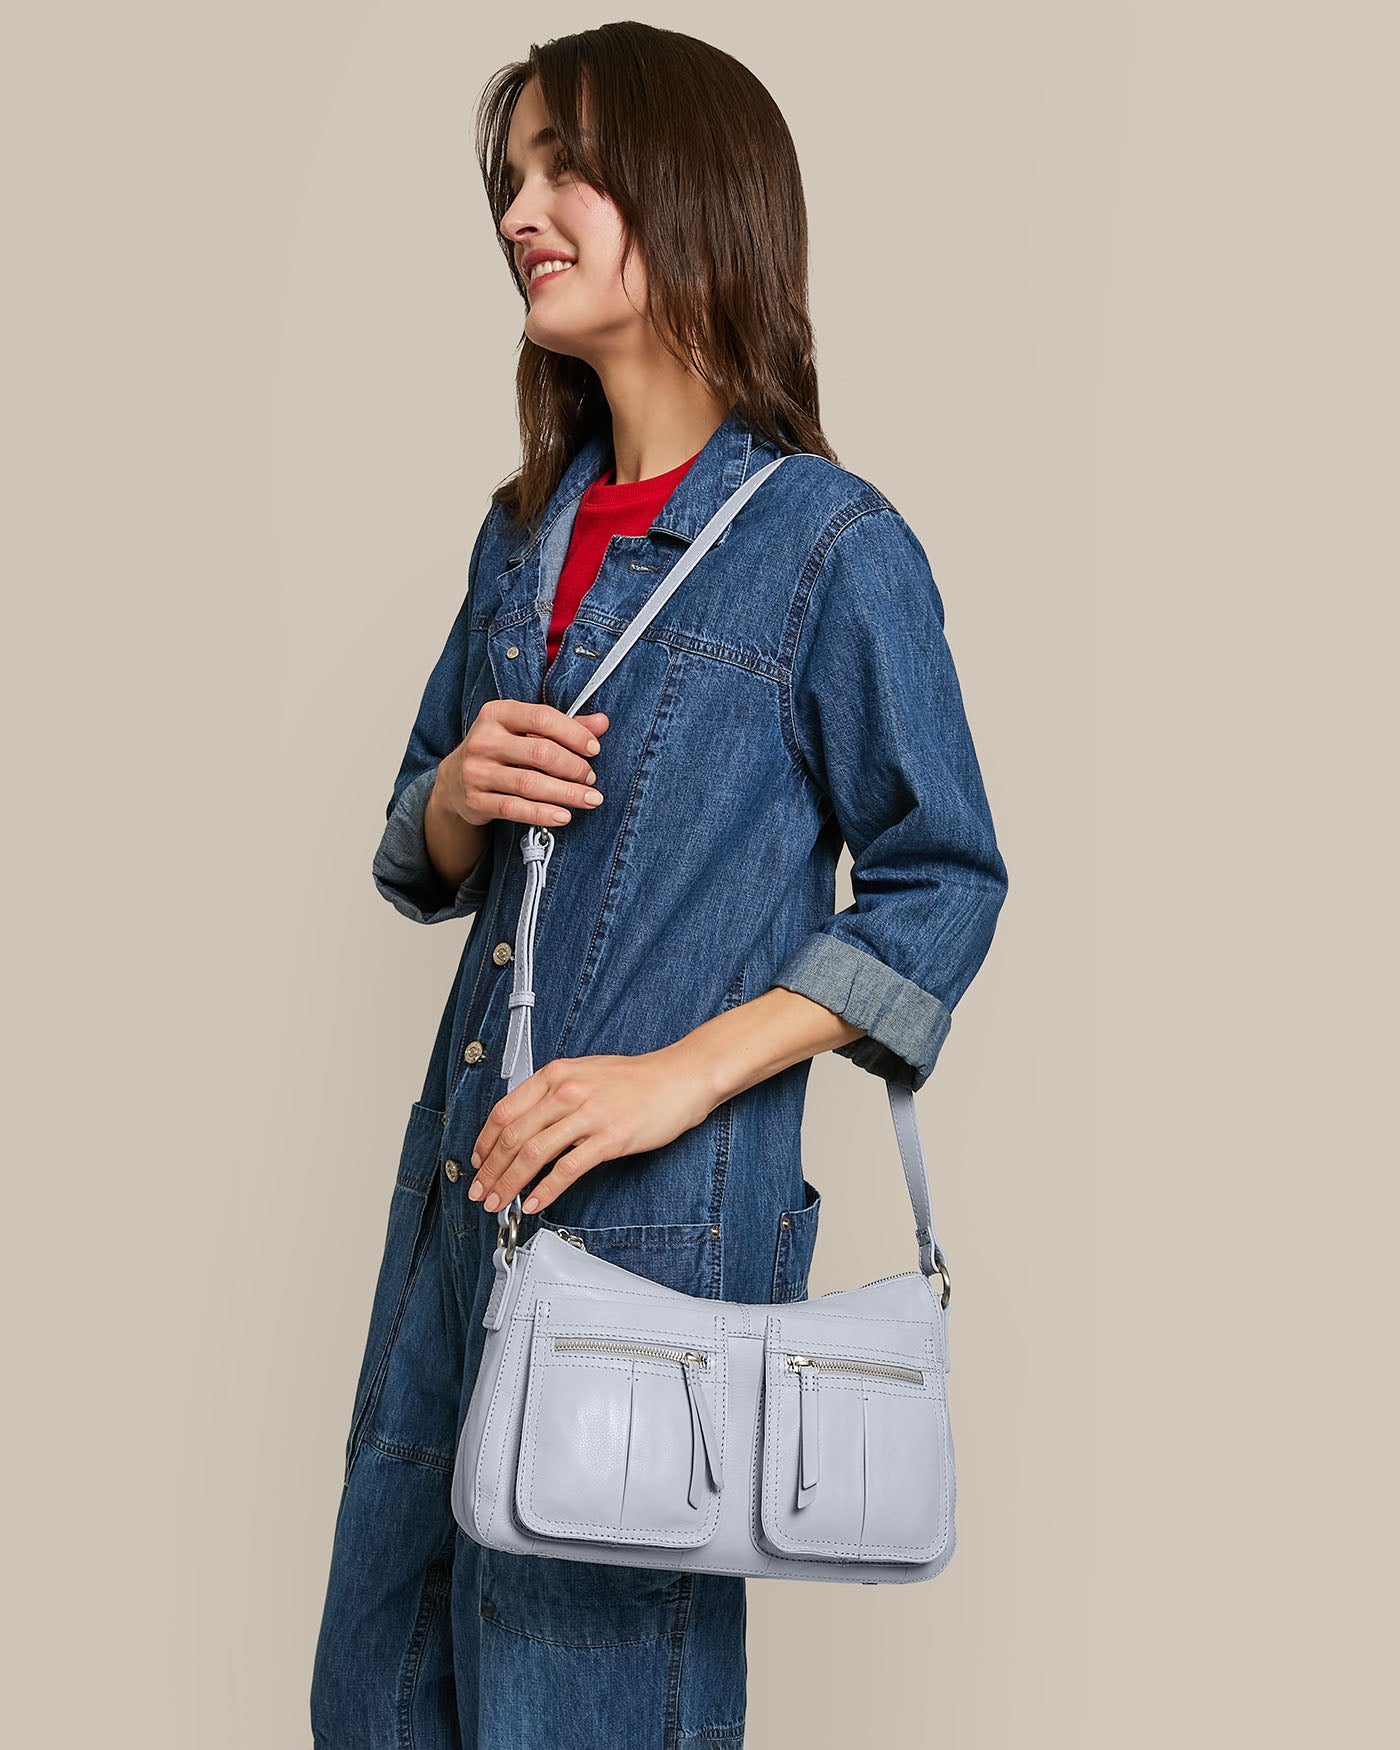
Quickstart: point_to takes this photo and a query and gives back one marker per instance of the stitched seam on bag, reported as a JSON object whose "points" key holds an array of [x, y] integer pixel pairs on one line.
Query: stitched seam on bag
{"points": [[861, 1351], [524, 1312], [638, 1334], [899, 1574], [491, 1408]]}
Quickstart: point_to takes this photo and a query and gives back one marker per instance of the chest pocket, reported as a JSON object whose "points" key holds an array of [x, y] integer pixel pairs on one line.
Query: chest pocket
{"points": [[684, 1255]]}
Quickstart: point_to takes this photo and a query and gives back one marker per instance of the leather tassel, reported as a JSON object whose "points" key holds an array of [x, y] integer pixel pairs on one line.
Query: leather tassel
{"points": [[808, 1436], [702, 1436]]}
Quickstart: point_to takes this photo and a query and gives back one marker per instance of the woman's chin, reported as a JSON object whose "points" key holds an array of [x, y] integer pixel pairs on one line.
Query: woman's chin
{"points": [[555, 338]]}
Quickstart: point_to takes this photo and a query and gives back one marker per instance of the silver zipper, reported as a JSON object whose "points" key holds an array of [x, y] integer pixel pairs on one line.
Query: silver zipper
{"points": [[573, 1239], [621, 1346], [849, 1364]]}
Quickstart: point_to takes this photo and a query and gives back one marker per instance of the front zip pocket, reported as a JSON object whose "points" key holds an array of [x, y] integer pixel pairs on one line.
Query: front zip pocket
{"points": [[622, 1437], [626, 1346], [807, 1368], [856, 1461], [852, 1364]]}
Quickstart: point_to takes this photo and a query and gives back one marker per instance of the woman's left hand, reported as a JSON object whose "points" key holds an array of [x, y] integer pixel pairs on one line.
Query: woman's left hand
{"points": [[578, 1111]]}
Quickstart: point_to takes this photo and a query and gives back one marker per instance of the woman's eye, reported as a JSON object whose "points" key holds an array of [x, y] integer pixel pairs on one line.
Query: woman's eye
{"points": [[559, 169]]}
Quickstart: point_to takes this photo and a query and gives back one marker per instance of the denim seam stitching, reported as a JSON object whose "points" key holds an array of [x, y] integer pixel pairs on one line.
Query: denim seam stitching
{"points": [[724, 1131], [679, 1630], [422, 1456], [359, 1429], [844, 519], [436, 1586]]}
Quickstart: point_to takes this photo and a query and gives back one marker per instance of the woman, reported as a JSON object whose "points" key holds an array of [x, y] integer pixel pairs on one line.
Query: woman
{"points": [[796, 692]]}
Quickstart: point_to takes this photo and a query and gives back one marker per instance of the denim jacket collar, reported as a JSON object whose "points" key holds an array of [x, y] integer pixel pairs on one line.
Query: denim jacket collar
{"points": [[732, 451]]}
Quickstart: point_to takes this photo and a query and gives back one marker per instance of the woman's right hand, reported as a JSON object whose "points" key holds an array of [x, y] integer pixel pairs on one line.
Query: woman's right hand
{"points": [[522, 760]]}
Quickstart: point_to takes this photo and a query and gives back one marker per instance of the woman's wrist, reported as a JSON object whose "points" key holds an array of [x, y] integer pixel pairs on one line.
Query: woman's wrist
{"points": [[454, 845], [745, 1045]]}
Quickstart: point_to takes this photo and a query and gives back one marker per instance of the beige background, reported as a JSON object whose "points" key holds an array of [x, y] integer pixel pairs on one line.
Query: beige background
{"points": [[1105, 298]]}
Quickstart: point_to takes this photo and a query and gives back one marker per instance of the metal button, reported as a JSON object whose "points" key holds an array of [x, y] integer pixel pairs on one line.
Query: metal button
{"points": [[452, 1170], [474, 1052], [501, 953], [786, 1221], [512, 650]]}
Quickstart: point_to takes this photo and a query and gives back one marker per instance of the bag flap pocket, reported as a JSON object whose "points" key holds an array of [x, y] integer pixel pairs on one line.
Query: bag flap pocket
{"points": [[622, 1431], [857, 1448]]}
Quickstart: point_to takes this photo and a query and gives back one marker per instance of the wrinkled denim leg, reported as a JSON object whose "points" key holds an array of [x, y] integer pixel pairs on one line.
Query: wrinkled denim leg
{"points": [[429, 1641], [595, 1656], [592, 1655], [384, 1672]]}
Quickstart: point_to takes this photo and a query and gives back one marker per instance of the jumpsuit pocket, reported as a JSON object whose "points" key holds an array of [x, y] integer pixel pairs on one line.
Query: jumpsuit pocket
{"points": [[796, 1241], [549, 1605], [406, 1240], [684, 1255]]}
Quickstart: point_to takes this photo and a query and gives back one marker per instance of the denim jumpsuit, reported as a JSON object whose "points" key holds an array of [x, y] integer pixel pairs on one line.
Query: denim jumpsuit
{"points": [[794, 694]]}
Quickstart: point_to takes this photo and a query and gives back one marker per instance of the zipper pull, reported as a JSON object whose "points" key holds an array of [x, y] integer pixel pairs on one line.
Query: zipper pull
{"points": [[702, 1434], [808, 1433]]}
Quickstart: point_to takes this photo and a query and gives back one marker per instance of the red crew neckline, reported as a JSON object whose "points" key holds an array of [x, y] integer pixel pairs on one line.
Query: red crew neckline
{"points": [[617, 496]]}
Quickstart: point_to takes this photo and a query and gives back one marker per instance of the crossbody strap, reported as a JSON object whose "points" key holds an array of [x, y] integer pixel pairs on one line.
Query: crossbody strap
{"points": [[537, 846]]}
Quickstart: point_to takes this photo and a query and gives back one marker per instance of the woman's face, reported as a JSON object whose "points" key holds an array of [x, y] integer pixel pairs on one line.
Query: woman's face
{"points": [[586, 309]]}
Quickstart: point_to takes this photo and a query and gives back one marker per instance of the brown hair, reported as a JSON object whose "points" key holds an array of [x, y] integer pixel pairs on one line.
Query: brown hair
{"points": [[696, 156]]}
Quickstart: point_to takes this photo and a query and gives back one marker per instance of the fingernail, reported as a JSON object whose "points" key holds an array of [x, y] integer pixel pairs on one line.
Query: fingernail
{"points": [[476, 1159], [474, 1189], [492, 1203], [560, 814], [531, 1205], [593, 744], [593, 797], [592, 776]]}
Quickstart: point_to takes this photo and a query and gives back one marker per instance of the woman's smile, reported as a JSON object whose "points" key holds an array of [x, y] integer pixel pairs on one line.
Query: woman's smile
{"points": [[547, 270]]}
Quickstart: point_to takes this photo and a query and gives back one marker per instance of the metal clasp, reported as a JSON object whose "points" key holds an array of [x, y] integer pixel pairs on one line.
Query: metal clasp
{"points": [[510, 1227]]}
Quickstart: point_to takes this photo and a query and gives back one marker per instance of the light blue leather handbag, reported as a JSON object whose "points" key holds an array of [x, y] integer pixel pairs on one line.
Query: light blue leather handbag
{"points": [[616, 1420]]}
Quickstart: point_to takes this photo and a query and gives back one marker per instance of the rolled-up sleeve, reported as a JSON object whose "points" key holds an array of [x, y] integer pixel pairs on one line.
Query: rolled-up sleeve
{"points": [[403, 871], [877, 712]]}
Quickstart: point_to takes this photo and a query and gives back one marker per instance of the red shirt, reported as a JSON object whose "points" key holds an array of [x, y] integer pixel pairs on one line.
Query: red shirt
{"points": [[605, 509]]}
